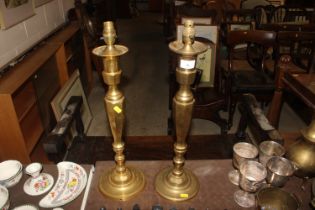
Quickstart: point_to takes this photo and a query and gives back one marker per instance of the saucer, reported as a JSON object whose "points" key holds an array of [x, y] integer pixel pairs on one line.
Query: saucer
{"points": [[39, 185]]}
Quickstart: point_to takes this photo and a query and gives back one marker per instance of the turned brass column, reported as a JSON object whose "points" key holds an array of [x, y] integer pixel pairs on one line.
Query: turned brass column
{"points": [[178, 183], [120, 182]]}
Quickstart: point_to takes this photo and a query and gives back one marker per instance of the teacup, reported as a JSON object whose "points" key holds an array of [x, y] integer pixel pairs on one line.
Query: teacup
{"points": [[33, 169]]}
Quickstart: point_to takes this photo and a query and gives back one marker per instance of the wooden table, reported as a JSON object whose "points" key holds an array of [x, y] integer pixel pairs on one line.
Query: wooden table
{"points": [[303, 85], [19, 197], [216, 192]]}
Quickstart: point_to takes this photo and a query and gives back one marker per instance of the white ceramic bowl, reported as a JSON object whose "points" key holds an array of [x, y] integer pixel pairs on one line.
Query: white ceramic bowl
{"points": [[26, 207], [11, 172], [4, 198]]}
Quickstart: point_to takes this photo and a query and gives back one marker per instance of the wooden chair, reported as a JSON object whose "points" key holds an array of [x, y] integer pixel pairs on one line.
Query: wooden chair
{"points": [[238, 79], [300, 45], [297, 15], [260, 16], [239, 15], [278, 14], [286, 27]]}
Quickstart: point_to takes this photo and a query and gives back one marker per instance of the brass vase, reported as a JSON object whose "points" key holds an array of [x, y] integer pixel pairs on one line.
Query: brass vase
{"points": [[120, 182], [178, 183], [302, 153]]}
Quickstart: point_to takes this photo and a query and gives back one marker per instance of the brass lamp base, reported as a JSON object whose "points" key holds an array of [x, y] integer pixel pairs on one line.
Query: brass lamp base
{"points": [[176, 188], [122, 186]]}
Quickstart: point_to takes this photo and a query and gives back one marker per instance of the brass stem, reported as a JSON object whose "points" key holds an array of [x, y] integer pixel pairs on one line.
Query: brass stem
{"points": [[114, 103], [121, 182]]}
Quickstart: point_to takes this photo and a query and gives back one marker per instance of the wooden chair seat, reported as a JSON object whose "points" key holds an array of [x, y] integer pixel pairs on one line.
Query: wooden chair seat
{"points": [[270, 67], [238, 65], [252, 81]]}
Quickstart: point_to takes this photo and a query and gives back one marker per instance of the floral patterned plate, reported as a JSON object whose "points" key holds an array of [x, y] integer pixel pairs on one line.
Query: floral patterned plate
{"points": [[71, 182], [38, 185]]}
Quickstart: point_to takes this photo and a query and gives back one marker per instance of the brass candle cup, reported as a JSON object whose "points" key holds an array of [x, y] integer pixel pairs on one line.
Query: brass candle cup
{"points": [[279, 170], [269, 149]]}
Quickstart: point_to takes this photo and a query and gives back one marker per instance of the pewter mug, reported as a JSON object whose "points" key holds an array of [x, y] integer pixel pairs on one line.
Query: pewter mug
{"points": [[243, 151], [279, 170], [269, 149], [252, 175]]}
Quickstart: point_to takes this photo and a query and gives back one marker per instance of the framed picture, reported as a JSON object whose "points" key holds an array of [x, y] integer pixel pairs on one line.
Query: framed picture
{"points": [[14, 11], [72, 87], [38, 3], [207, 60]]}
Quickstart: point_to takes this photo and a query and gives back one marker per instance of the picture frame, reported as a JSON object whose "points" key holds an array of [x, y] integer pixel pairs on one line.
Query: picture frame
{"points": [[38, 3], [13, 12], [73, 87], [205, 61]]}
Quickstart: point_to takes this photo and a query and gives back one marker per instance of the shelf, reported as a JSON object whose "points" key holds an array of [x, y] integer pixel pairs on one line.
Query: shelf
{"points": [[24, 100], [32, 128]]}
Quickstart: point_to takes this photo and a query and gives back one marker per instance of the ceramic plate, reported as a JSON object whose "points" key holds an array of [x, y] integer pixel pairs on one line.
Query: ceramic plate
{"points": [[71, 181], [39, 185], [26, 207]]}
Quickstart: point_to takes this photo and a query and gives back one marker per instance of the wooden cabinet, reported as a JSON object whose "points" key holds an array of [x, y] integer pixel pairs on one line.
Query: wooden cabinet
{"points": [[27, 89], [72, 55]]}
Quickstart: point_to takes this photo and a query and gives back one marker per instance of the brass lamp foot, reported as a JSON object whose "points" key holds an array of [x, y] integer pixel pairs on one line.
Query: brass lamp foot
{"points": [[122, 186], [176, 188]]}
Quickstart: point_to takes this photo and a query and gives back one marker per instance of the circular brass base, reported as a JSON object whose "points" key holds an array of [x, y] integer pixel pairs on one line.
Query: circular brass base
{"points": [[122, 186], [176, 188]]}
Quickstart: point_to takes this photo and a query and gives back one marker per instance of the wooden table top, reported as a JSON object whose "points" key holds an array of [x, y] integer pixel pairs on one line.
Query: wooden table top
{"points": [[216, 192], [303, 85]]}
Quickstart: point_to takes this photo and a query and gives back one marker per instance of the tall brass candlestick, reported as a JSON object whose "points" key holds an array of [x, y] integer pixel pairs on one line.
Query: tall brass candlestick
{"points": [[121, 182], [177, 183]]}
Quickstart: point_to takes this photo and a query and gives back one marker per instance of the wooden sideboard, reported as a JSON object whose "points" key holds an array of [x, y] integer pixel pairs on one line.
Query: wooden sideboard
{"points": [[27, 89]]}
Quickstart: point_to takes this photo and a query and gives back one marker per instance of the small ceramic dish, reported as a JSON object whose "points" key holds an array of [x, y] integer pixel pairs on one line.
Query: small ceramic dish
{"points": [[26, 207], [4, 198], [11, 172]]}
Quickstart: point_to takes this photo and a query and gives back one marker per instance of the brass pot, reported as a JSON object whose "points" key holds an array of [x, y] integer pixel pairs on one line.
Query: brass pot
{"points": [[274, 198], [302, 153]]}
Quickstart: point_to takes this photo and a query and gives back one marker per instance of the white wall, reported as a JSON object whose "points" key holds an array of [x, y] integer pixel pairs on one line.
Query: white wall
{"points": [[21, 37]]}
